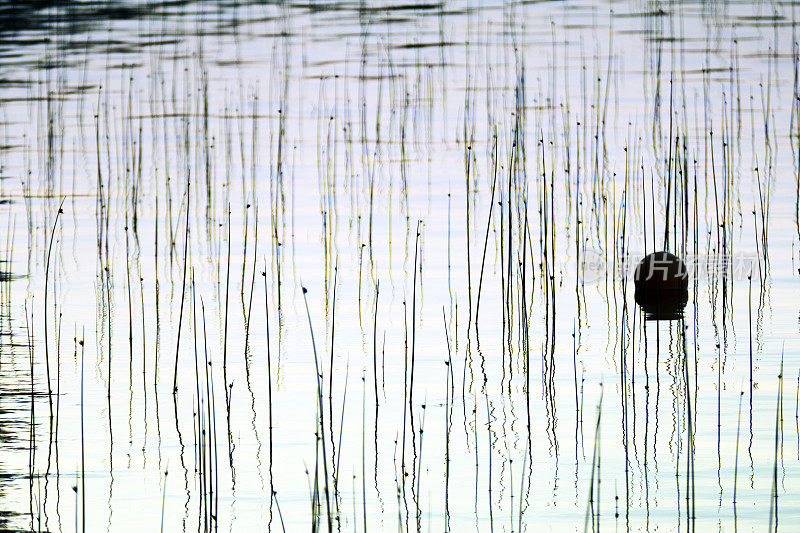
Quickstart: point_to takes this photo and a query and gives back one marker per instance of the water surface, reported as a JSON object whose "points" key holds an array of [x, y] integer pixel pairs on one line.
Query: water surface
{"points": [[463, 189]]}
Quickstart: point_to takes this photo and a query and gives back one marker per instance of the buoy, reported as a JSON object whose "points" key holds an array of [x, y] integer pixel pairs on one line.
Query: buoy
{"points": [[662, 286]]}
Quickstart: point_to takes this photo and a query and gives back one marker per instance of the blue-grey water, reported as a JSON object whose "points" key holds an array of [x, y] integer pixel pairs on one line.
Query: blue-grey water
{"points": [[463, 189]]}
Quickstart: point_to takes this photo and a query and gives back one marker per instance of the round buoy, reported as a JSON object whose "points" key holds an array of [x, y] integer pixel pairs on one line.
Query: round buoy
{"points": [[662, 283]]}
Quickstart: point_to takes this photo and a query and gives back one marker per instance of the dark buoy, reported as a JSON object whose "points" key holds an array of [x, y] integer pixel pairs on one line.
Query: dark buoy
{"points": [[662, 286]]}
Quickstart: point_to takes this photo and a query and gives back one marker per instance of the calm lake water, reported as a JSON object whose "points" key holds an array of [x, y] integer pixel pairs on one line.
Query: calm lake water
{"points": [[369, 266]]}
